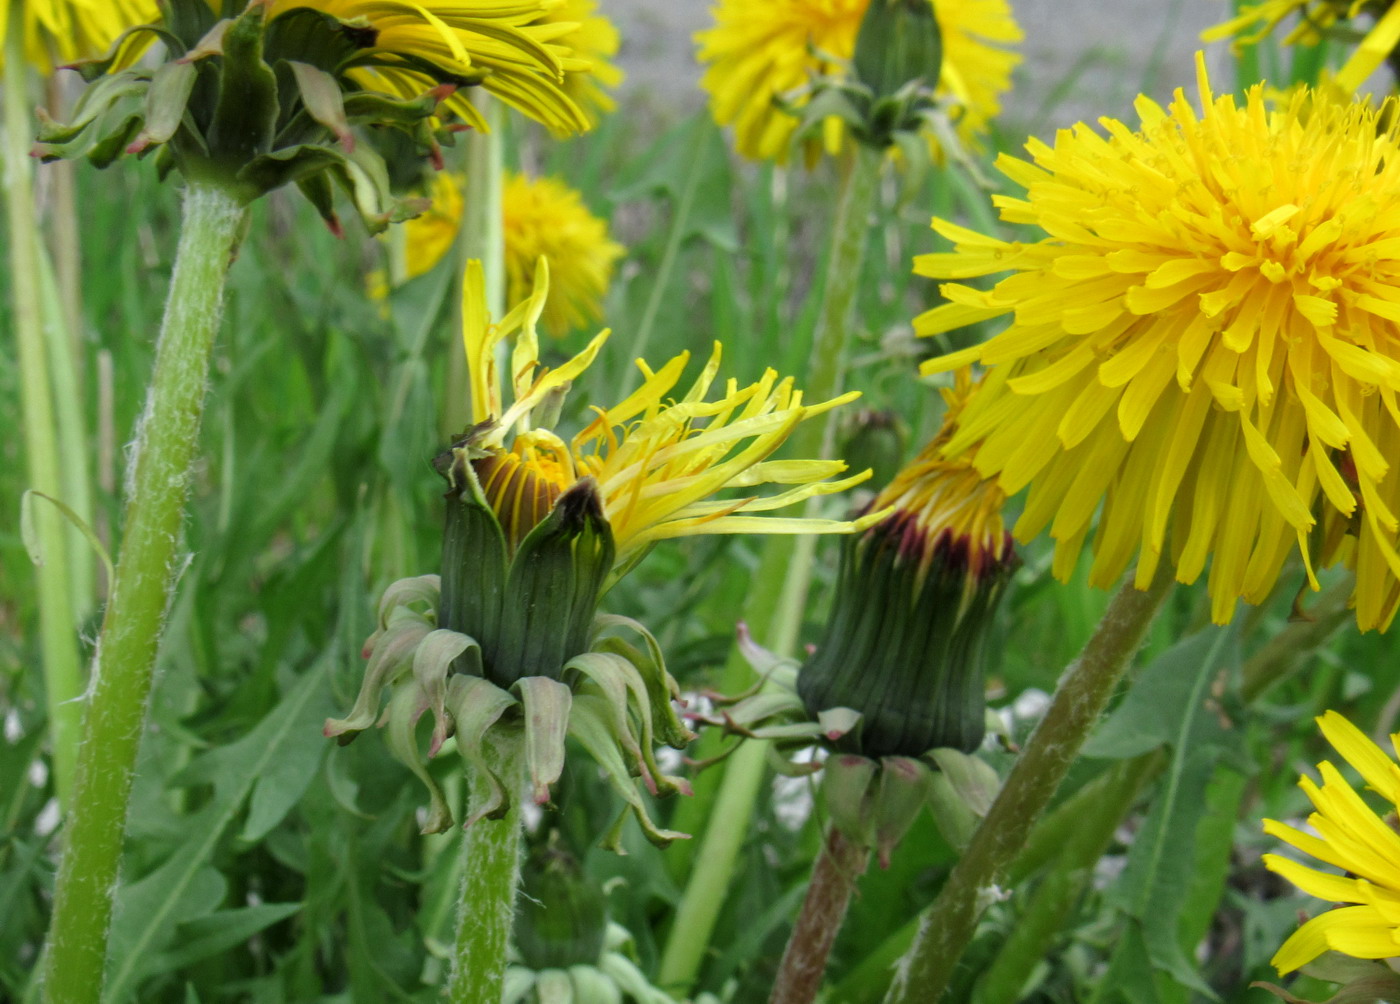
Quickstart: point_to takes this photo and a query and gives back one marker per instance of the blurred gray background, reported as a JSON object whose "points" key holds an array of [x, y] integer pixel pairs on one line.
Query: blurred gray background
{"points": [[1081, 58]]}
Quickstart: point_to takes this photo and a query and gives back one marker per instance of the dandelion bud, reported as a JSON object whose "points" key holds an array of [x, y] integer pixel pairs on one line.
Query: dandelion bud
{"points": [[916, 596], [899, 43]]}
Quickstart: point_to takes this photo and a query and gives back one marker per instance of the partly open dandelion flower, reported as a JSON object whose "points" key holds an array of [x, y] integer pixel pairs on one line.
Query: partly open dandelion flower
{"points": [[1205, 341], [543, 217], [60, 31], [589, 73], [656, 462], [1352, 836], [1315, 19], [507, 42], [759, 52]]}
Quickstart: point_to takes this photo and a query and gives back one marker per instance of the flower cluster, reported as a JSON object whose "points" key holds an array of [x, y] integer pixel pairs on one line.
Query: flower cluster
{"points": [[507, 644]]}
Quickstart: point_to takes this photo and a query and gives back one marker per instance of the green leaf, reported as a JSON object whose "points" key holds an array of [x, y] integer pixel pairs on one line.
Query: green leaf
{"points": [[182, 887], [221, 931], [689, 164]]}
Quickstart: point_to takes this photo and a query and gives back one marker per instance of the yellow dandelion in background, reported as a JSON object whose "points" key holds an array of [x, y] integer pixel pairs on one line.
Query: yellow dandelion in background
{"points": [[1352, 836], [61, 31], [507, 39], [1315, 19], [1205, 341], [542, 218], [589, 73], [758, 52], [546, 218], [658, 457]]}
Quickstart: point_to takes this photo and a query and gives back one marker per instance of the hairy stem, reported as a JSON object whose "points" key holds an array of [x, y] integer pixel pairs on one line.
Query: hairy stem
{"points": [[925, 971], [166, 441], [490, 874], [834, 874]]}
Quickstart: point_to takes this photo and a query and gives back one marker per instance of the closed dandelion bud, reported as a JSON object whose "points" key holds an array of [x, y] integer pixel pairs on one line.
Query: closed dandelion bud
{"points": [[561, 916], [916, 596], [899, 43]]}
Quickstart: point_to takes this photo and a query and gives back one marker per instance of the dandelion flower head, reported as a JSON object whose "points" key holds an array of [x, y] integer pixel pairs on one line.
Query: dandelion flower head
{"points": [[510, 40], [1350, 835], [657, 460], [1204, 344], [589, 72], [759, 52]]}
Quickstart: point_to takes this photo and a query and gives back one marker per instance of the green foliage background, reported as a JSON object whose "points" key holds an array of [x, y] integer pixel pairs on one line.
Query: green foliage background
{"points": [[266, 865]]}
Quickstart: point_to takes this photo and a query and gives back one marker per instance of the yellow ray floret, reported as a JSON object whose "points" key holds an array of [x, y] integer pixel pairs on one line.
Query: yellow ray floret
{"points": [[1350, 835], [947, 503], [507, 39], [589, 73], [1203, 351], [62, 31], [659, 457], [757, 52]]}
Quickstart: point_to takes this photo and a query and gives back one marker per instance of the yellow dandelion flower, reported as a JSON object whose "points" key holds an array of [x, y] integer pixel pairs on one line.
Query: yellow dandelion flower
{"points": [[589, 73], [758, 52], [1350, 835], [543, 217], [520, 55], [657, 460], [1205, 340], [61, 31], [1315, 19]]}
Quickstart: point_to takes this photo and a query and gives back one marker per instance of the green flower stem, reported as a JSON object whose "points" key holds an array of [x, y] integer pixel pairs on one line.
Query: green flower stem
{"points": [[166, 441], [834, 875], [63, 306], [1047, 910], [947, 926], [783, 575], [490, 874], [482, 236], [63, 680], [66, 370]]}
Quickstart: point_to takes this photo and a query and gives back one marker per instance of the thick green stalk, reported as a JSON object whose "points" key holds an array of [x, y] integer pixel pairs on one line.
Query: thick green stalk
{"points": [[947, 926], [784, 572], [490, 874], [166, 441], [63, 679], [482, 236]]}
